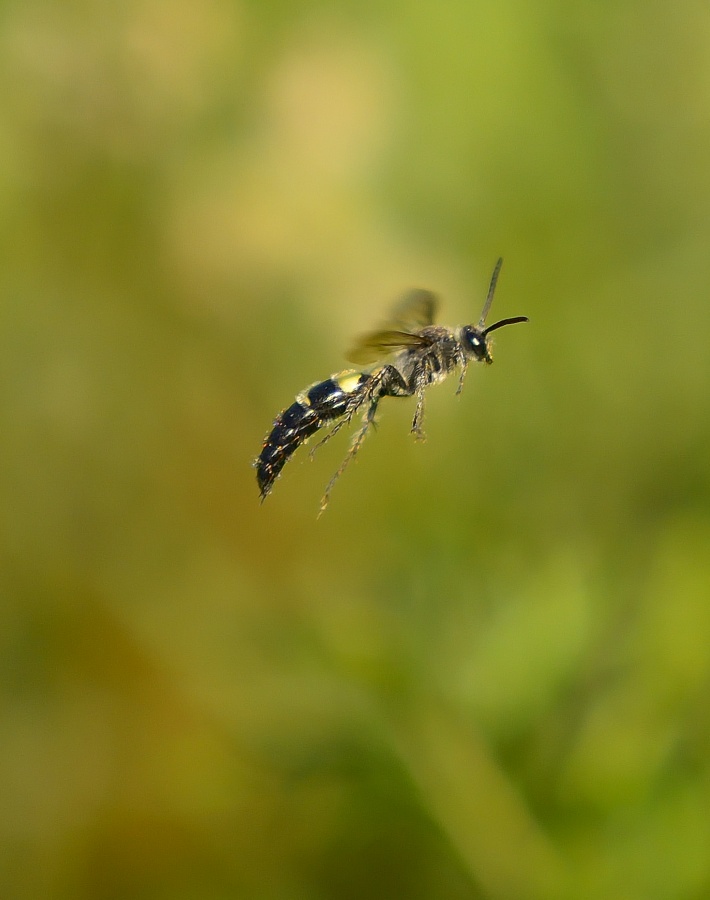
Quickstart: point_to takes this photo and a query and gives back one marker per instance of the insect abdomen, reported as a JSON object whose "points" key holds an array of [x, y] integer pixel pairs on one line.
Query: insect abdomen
{"points": [[318, 405]]}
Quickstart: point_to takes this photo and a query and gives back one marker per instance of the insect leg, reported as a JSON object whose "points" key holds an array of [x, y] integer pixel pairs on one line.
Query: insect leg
{"points": [[352, 396], [463, 362], [391, 383], [347, 418], [385, 382], [368, 422], [333, 431], [420, 382], [417, 429], [394, 385]]}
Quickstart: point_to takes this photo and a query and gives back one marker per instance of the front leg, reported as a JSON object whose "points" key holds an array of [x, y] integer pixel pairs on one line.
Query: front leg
{"points": [[463, 362]]}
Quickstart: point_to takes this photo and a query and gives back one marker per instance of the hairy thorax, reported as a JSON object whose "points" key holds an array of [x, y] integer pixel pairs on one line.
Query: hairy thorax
{"points": [[434, 362]]}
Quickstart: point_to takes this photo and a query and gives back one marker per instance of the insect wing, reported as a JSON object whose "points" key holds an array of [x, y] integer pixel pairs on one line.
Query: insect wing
{"points": [[416, 309], [374, 346]]}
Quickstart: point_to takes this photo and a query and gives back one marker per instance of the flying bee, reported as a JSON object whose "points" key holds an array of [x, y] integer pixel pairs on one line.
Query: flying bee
{"points": [[421, 354]]}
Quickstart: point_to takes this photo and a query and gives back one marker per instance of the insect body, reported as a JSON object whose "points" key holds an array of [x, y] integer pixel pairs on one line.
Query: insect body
{"points": [[422, 354]]}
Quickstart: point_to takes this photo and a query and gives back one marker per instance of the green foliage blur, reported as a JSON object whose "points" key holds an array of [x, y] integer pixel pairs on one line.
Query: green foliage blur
{"points": [[485, 671]]}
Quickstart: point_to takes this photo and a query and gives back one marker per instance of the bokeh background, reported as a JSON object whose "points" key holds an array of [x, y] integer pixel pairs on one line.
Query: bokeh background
{"points": [[485, 671]]}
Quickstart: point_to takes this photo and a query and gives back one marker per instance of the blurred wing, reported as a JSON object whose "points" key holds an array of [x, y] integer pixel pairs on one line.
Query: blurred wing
{"points": [[372, 347], [416, 309]]}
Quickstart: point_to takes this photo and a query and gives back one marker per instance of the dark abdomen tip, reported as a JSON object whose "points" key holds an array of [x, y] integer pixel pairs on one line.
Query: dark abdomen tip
{"points": [[291, 429]]}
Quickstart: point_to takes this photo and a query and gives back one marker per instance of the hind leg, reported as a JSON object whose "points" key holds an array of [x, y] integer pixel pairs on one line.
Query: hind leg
{"points": [[361, 434], [333, 431], [363, 394], [385, 382]]}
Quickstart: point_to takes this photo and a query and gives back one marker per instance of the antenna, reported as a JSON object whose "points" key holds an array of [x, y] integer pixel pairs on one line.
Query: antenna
{"points": [[491, 291], [489, 300], [503, 322]]}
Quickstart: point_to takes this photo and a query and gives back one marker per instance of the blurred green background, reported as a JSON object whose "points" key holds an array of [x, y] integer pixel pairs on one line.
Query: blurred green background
{"points": [[485, 671]]}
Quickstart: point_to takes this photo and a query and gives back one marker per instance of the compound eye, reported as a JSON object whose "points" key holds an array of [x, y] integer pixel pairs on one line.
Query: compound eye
{"points": [[475, 341]]}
